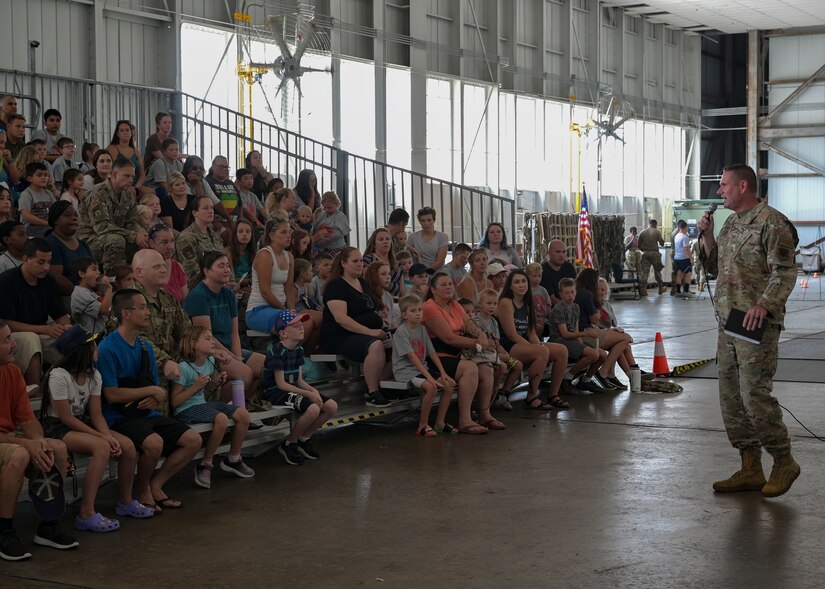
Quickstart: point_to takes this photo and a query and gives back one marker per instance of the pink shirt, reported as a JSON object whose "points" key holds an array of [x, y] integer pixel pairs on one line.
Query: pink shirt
{"points": [[177, 280]]}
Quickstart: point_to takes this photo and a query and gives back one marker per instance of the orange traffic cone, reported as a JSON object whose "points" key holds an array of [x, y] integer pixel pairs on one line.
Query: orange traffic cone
{"points": [[660, 367]]}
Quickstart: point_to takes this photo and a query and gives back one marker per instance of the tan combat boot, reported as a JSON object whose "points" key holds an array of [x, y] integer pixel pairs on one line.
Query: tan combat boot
{"points": [[784, 473], [662, 288], [750, 478]]}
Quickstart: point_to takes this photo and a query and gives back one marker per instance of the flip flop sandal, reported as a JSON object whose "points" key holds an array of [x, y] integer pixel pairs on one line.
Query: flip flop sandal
{"points": [[96, 523], [559, 403], [169, 503], [494, 424], [542, 406], [446, 430], [475, 429], [426, 432], [136, 509]]}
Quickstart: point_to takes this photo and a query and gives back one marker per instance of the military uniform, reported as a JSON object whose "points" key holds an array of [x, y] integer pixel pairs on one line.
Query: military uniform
{"points": [[168, 320], [649, 241], [109, 224], [754, 263], [190, 245], [633, 256]]}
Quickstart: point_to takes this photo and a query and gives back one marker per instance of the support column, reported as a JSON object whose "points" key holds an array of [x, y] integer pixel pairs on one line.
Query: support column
{"points": [[380, 69], [335, 46], [752, 116], [418, 88]]}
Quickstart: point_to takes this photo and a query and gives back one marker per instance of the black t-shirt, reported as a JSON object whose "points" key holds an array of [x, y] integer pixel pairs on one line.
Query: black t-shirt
{"points": [[29, 304], [360, 306], [550, 278], [180, 218]]}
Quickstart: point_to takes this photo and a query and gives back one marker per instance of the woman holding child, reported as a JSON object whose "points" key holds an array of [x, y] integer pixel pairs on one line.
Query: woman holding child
{"points": [[352, 325], [66, 247], [476, 281], [379, 249], [452, 332]]}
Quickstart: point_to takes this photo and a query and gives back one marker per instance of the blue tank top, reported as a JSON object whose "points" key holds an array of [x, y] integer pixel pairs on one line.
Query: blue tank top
{"points": [[522, 324]]}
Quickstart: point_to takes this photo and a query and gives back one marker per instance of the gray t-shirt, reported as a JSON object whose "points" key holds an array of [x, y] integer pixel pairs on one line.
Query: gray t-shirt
{"points": [[51, 140], [428, 250], [508, 256], [38, 203], [457, 274], [488, 326], [8, 261], [404, 342], [86, 310], [339, 224], [566, 314], [160, 170], [59, 168]]}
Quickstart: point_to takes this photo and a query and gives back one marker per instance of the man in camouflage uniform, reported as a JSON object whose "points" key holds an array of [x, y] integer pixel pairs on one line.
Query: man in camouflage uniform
{"points": [[108, 218], [197, 239], [753, 260], [649, 241], [168, 319], [633, 255]]}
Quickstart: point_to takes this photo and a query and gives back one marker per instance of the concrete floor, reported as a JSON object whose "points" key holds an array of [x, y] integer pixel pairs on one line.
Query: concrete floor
{"points": [[614, 492]]}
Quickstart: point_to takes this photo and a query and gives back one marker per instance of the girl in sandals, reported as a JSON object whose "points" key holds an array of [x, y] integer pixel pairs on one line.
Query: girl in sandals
{"points": [[73, 414], [518, 336]]}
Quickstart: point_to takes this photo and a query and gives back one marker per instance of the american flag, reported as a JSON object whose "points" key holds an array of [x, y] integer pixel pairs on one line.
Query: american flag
{"points": [[584, 245]]}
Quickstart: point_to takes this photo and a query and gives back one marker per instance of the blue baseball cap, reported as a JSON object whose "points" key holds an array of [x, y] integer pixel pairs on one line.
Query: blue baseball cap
{"points": [[73, 337], [288, 318]]}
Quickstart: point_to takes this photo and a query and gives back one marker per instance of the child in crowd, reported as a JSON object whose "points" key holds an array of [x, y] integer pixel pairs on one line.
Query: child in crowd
{"points": [[87, 152], [73, 414], [399, 244], [303, 219], [284, 385], [415, 362], [198, 371], [151, 200], [73, 187], [507, 370], [92, 297], [323, 268], [50, 135], [122, 275], [497, 275], [332, 228], [241, 252], [456, 267], [420, 276], [249, 205], [65, 162], [300, 245], [158, 175], [5, 205], [35, 201], [468, 306], [302, 279], [404, 259], [12, 238], [42, 151], [564, 329], [541, 300], [145, 216]]}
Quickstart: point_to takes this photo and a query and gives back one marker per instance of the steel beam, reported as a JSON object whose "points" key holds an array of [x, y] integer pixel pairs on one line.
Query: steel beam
{"points": [[752, 115], [770, 133], [797, 160], [766, 120]]}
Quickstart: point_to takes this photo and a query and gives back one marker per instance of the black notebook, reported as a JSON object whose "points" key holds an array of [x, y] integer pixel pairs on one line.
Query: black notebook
{"points": [[734, 327]]}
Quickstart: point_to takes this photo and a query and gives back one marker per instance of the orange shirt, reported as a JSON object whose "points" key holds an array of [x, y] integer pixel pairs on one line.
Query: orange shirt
{"points": [[454, 316], [14, 399]]}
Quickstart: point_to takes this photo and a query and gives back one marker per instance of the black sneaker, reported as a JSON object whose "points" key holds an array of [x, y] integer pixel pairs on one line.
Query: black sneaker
{"points": [[619, 385], [376, 400], [308, 450], [11, 548], [589, 386], [606, 384], [291, 454], [50, 534]]}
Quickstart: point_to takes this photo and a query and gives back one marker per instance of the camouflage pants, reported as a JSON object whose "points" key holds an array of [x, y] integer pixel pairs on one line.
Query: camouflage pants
{"points": [[751, 414], [651, 259], [111, 250], [633, 258]]}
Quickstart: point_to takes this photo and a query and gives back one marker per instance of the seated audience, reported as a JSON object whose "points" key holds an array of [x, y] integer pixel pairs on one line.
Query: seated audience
{"points": [[249, 206], [517, 317], [28, 455], [397, 222], [456, 267], [193, 170], [254, 162], [300, 245], [132, 397], [352, 326], [283, 200], [379, 249], [495, 242], [415, 362], [74, 415], [162, 240], [497, 275], [377, 277], [451, 332], [323, 270], [15, 134], [542, 303], [13, 238], [284, 386], [555, 268], [163, 131], [304, 219], [213, 305], [50, 133], [476, 281], [8, 173], [222, 185], [197, 239], [305, 302], [331, 230], [152, 201], [64, 163], [507, 369], [87, 153], [73, 190], [420, 276], [66, 247], [35, 201], [157, 178], [404, 259], [100, 171], [33, 309], [176, 207], [607, 320], [108, 218], [123, 145], [91, 299], [307, 189], [6, 204], [430, 244], [199, 370]]}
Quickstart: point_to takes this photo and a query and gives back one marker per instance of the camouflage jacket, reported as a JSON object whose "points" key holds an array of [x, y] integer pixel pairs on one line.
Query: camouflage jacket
{"points": [[754, 262], [101, 211], [168, 320], [190, 244]]}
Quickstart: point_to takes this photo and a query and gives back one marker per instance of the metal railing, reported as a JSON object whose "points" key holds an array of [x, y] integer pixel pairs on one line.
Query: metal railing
{"points": [[368, 189]]}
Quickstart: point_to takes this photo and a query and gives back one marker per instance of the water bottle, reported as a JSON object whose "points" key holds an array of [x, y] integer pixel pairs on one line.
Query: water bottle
{"points": [[635, 380], [238, 397]]}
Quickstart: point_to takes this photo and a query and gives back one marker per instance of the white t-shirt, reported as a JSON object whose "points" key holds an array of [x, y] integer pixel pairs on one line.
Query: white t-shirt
{"points": [[681, 246], [62, 387]]}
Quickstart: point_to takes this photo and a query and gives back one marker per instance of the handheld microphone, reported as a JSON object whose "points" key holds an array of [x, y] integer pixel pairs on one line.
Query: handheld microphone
{"points": [[709, 213]]}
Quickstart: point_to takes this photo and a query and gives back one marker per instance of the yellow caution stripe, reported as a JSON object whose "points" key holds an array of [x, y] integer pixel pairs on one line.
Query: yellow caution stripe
{"points": [[353, 419], [690, 366]]}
